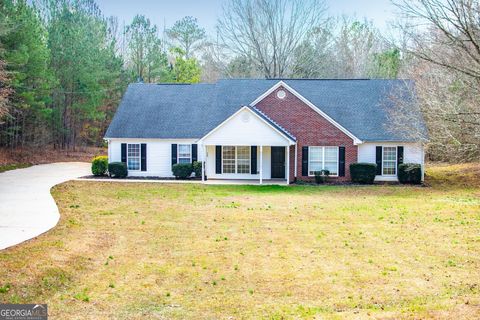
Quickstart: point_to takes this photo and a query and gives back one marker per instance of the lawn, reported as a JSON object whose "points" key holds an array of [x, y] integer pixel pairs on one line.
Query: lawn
{"points": [[154, 251], [13, 166]]}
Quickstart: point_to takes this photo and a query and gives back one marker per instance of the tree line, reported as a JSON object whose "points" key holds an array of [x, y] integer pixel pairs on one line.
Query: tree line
{"points": [[64, 65]]}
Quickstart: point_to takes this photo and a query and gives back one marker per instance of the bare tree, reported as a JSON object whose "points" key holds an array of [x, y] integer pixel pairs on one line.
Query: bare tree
{"points": [[315, 56], [443, 42], [455, 27], [267, 32], [356, 46], [447, 101], [343, 48]]}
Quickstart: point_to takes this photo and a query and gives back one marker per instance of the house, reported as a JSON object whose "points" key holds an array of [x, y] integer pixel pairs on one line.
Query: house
{"points": [[266, 129]]}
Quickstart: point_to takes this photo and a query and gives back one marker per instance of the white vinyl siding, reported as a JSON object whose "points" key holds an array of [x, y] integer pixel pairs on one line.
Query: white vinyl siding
{"points": [[412, 153], [184, 153], [389, 161], [245, 129], [235, 159], [159, 155], [323, 158], [133, 156]]}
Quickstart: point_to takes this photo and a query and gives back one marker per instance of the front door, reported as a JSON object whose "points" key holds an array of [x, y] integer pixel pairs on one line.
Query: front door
{"points": [[278, 162]]}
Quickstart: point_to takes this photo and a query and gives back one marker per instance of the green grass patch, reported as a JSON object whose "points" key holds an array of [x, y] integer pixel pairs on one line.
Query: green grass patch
{"points": [[14, 166]]}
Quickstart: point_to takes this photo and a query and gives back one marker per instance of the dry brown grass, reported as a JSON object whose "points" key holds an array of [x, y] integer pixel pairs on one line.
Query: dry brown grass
{"points": [[463, 175], [151, 251], [47, 155]]}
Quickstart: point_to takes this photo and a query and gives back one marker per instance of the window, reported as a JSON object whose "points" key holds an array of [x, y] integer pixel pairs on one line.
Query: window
{"points": [[323, 158], [331, 160], [315, 160], [243, 159], [389, 161], [228, 159], [184, 153], [133, 156], [235, 159]]}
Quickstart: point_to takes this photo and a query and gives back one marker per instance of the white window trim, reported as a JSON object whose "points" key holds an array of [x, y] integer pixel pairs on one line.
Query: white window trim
{"points": [[236, 160], [323, 160], [396, 161], [178, 152], [139, 156]]}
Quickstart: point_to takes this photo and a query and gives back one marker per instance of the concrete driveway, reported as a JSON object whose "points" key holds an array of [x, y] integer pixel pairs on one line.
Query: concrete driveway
{"points": [[26, 207]]}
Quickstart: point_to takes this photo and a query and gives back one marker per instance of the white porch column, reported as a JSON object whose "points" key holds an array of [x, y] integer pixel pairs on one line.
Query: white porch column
{"points": [[204, 161], [261, 164], [296, 155], [288, 164]]}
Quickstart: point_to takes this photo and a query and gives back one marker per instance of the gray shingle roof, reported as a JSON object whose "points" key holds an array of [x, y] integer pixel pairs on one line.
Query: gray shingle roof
{"points": [[176, 111]]}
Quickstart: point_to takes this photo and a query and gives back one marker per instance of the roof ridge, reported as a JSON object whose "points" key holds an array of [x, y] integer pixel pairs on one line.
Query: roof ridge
{"points": [[273, 121]]}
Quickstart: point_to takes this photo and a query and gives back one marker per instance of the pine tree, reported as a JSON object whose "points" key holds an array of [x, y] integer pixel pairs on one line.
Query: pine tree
{"points": [[26, 59]]}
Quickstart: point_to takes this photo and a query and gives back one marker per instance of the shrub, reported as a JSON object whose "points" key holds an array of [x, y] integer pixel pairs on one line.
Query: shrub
{"points": [[321, 176], [197, 168], [182, 170], [410, 173], [117, 169], [99, 165], [363, 173]]}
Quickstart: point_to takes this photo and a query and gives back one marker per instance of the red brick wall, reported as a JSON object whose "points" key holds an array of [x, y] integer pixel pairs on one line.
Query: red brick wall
{"points": [[309, 127]]}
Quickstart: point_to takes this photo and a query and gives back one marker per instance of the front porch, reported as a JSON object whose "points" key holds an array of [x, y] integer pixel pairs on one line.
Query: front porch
{"points": [[248, 146], [247, 164]]}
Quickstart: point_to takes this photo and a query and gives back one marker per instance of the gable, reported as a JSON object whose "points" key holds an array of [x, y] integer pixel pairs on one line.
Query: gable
{"points": [[292, 97], [245, 127]]}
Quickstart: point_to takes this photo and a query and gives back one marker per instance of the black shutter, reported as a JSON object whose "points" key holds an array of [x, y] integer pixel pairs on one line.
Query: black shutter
{"points": [[253, 160], [174, 154], [305, 161], [218, 159], [341, 161], [143, 157], [378, 160], [194, 153], [399, 156], [124, 152]]}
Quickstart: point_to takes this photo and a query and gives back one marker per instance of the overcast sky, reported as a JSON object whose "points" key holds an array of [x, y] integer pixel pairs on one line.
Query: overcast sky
{"points": [[167, 12]]}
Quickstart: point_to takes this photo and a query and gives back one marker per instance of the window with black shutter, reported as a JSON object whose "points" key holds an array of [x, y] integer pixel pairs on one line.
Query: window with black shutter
{"points": [[194, 153], [143, 155], [341, 161], [305, 161], [174, 154], [124, 152], [399, 155], [218, 159], [253, 159], [378, 159]]}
